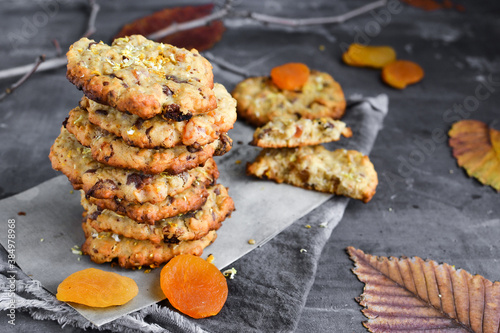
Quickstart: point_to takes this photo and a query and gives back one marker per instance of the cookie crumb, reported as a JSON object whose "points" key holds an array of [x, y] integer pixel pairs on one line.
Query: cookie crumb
{"points": [[238, 162], [21, 213], [210, 258], [307, 226], [147, 271], [322, 47], [451, 171], [76, 250], [251, 241], [71, 192], [230, 273]]}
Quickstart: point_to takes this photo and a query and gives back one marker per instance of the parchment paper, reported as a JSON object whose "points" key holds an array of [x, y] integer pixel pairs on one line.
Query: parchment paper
{"points": [[51, 226]]}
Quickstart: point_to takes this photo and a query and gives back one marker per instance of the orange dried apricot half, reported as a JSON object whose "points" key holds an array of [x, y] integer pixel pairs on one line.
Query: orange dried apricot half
{"points": [[369, 56], [401, 73], [194, 286], [97, 288], [291, 76]]}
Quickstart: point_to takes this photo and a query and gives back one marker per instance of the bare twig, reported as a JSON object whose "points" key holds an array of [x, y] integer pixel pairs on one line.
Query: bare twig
{"points": [[41, 64], [317, 20], [94, 9], [177, 27], [263, 18], [26, 76], [57, 46], [226, 65], [47, 65]]}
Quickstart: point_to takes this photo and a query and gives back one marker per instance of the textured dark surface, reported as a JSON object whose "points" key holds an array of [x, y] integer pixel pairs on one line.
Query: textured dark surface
{"points": [[425, 205]]}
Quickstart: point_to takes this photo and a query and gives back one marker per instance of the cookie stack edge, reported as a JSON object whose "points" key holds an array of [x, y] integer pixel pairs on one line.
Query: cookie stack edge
{"points": [[140, 147]]}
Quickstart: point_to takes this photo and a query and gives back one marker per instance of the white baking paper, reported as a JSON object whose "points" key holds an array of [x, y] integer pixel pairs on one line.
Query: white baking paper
{"points": [[47, 235]]}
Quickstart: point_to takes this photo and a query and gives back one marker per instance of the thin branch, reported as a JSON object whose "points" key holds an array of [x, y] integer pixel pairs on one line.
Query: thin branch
{"points": [[41, 64], [26, 76], [225, 65], [47, 65], [94, 9], [263, 18], [177, 27], [57, 46]]}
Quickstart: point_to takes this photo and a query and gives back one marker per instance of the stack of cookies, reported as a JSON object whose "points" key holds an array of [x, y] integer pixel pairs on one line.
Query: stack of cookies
{"points": [[292, 126], [140, 147]]}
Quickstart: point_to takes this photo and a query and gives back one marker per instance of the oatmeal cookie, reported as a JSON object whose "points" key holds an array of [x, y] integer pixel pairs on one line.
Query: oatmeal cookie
{"points": [[183, 227], [341, 172], [105, 247], [143, 77], [158, 132], [259, 100], [290, 131], [190, 199], [101, 181], [114, 151]]}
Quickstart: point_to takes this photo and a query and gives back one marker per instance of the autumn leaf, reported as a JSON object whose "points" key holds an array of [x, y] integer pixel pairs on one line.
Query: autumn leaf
{"points": [[415, 295], [430, 5], [477, 149], [201, 38], [495, 141]]}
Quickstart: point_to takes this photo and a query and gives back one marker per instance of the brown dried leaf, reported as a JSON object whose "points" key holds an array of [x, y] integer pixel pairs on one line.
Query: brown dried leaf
{"points": [[413, 295], [430, 5], [495, 141], [201, 38], [476, 148]]}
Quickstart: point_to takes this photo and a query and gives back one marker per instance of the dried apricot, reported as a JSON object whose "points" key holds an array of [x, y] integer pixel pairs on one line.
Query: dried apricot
{"points": [[97, 288], [401, 73], [369, 56], [291, 76], [193, 286]]}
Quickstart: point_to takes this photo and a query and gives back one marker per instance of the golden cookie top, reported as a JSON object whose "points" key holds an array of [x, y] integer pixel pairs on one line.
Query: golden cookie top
{"points": [[143, 77]]}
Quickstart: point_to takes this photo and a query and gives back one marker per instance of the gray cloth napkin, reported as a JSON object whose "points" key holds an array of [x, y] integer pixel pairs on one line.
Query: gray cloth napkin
{"points": [[272, 282]]}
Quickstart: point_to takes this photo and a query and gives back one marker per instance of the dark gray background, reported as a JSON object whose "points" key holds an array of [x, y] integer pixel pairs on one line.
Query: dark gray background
{"points": [[425, 205]]}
